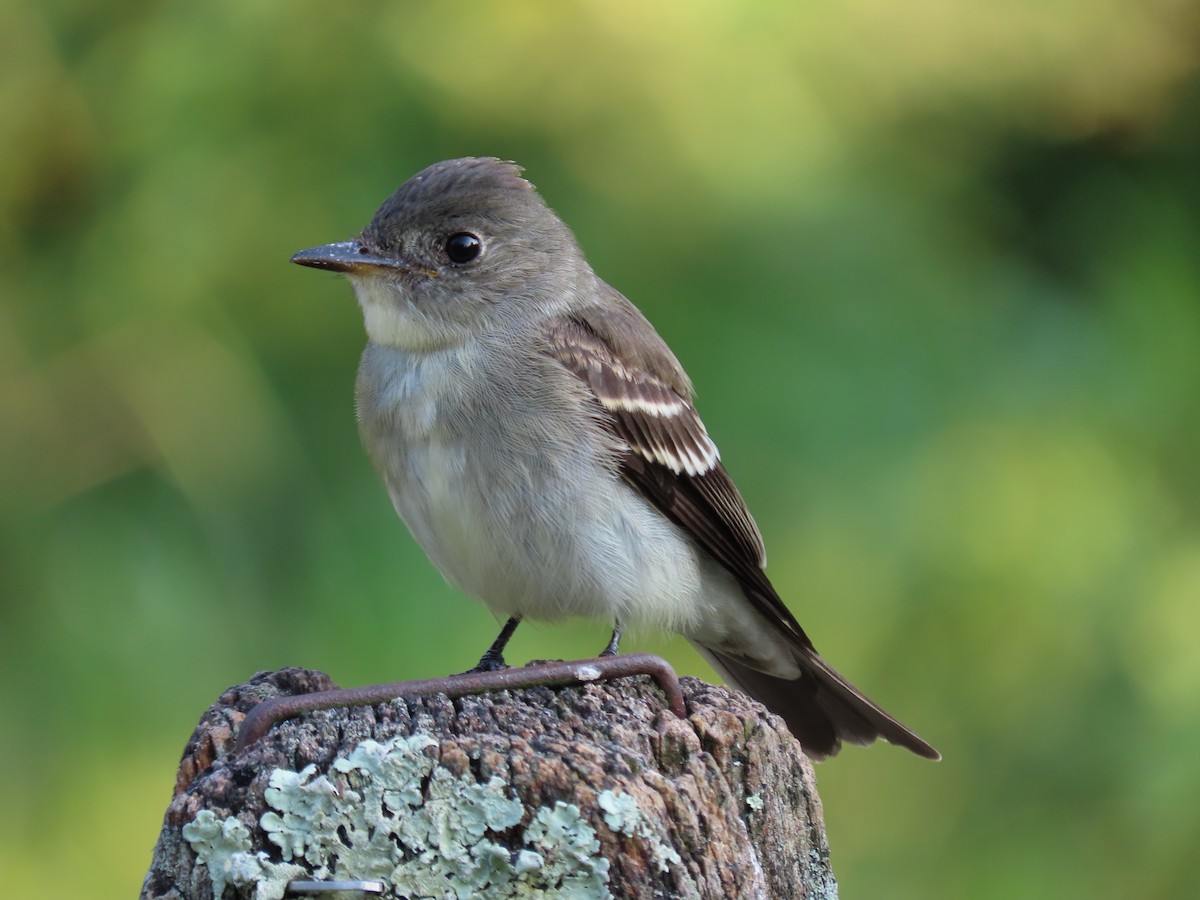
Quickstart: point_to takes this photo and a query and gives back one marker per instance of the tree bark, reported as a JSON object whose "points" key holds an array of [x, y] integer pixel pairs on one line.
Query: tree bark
{"points": [[592, 791]]}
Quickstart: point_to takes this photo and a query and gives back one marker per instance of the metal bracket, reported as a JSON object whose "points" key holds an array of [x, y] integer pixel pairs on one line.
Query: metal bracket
{"points": [[259, 720], [329, 887]]}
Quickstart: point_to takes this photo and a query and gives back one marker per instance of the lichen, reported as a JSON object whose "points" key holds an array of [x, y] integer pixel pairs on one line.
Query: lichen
{"points": [[224, 849], [754, 801], [390, 812], [623, 816], [569, 850]]}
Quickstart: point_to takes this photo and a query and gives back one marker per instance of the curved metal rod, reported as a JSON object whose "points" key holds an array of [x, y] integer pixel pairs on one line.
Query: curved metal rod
{"points": [[259, 719]]}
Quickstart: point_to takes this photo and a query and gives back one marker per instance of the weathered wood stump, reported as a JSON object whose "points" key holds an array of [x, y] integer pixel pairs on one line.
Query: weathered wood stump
{"points": [[593, 791]]}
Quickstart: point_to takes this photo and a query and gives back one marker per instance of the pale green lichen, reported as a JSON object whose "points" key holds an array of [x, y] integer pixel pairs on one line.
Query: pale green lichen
{"points": [[622, 815], [569, 848], [389, 812], [224, 849], [755, 802]]}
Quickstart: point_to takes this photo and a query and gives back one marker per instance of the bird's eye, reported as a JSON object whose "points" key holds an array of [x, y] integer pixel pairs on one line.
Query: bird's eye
{"points": [[463, 247]]}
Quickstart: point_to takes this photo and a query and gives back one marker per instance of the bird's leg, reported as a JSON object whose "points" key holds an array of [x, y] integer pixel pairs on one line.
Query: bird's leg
{"points": [[614, 642], [493, 659]]}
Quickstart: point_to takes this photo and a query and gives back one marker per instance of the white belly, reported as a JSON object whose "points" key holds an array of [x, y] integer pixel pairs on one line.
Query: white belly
{"points": [[588, 546], [521, 519]]}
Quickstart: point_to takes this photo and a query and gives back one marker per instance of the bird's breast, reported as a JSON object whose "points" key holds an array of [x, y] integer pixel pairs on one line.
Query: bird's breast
{"points": [[514, 494]]}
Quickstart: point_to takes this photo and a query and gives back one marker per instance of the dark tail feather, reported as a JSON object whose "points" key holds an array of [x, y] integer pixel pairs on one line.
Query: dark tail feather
{"points": [[821, 708]]}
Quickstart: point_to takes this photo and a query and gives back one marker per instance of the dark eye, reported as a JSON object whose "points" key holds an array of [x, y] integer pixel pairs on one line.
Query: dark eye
{"points": [[463, 247]]}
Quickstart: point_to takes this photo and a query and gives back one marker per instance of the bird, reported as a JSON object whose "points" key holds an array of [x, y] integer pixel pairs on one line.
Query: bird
{"points": [[540, 441]]}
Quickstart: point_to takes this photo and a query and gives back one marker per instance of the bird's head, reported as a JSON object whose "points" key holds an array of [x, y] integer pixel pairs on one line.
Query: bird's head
{"points": [[464, 246]]}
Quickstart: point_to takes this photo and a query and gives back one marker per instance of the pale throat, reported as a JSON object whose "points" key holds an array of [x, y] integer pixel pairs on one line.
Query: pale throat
{"points": [[392, 321]]}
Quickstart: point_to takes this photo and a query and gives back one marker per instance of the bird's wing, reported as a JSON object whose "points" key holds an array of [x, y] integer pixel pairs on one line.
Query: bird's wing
{"points": [[669, 458], [645, 399]]}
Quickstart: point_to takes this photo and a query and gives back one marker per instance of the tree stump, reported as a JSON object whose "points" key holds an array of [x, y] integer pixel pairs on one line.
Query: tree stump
{"points": [[591, 791]]}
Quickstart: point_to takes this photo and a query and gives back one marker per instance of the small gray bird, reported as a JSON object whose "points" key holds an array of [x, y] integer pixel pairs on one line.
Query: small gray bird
{"points": [[538, 439]]}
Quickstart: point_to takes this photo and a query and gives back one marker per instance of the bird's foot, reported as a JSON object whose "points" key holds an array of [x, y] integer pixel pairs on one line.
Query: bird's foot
{"points": [[493, 658], [488, 663]]}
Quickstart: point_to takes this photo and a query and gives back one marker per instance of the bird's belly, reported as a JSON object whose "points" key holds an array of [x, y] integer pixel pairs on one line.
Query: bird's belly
{"points": [[524, 538]]}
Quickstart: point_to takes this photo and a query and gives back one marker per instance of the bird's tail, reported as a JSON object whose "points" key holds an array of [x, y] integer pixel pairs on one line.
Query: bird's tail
{"points": [[821, 708]]}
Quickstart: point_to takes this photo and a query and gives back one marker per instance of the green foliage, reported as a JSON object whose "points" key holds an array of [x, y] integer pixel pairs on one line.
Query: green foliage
{"points": [[933, 269]]}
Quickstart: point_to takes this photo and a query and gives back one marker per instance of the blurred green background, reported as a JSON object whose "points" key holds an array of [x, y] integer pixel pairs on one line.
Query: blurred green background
{"points": [[934, 268]]}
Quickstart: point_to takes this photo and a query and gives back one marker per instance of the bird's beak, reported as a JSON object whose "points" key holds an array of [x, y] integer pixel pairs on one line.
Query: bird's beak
{"points": [[348, 257]]}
